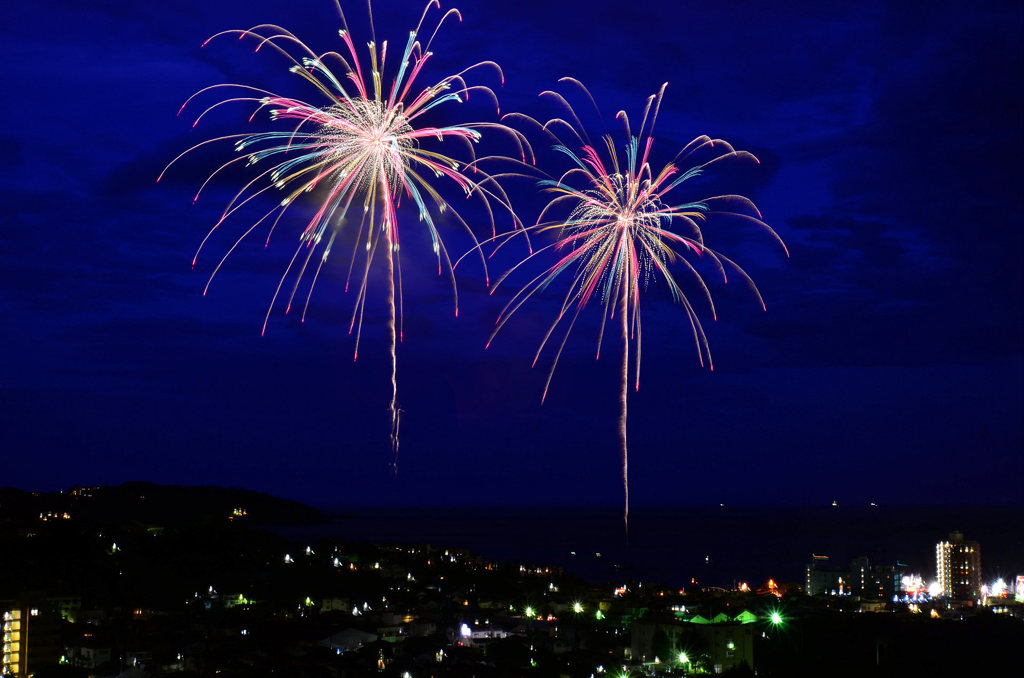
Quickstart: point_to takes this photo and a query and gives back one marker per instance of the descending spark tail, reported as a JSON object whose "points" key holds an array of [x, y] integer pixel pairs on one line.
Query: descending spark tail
{"points": [[623, 401], [393, 406]]}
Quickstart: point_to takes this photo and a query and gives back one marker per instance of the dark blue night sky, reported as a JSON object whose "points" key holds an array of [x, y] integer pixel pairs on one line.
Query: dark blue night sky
{"points": [[888, 367]]}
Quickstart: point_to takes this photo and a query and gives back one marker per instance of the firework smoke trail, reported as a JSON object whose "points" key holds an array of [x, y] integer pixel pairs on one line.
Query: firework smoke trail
{"points": [[617, 236], [364, 145]]}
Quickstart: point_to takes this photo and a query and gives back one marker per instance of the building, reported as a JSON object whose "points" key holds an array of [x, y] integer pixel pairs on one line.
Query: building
{"points": [[821, 578], [31, 639], [958, 568], [720, 644], [335, 605], [12, 660], [885, 582], [878, 582], [90, 656], [861, 579]]}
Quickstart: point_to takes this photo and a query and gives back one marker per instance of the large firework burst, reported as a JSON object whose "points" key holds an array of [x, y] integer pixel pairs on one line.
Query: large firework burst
{"points": [[618, 235], [363, 147]]}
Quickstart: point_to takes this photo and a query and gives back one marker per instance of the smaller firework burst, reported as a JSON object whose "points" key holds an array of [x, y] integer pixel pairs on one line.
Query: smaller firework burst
{"points": [[623, 229]]}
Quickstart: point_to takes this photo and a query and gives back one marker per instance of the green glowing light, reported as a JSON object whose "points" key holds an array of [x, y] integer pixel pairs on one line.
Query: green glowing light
{"points": [[599, 615], [776, 618], [577, 607], [529, 611], [683, 658]]}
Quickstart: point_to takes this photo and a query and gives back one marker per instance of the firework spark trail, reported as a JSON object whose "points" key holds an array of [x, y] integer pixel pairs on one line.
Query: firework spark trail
{"points": [[393, 349], [617, 235], [364, 145], [623, 402]]}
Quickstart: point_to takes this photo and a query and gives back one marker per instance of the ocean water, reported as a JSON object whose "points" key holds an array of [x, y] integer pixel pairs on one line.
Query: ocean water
{"points": [[715, 545]]}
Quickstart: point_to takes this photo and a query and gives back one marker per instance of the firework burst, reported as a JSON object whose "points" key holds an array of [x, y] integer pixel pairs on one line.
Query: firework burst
{"points": [[623, 228], [361, 148]]}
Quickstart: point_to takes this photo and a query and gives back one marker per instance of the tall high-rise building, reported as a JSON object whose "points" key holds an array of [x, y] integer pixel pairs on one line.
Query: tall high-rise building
{"points": [[958, 566], [12, 657], [31, 639]]}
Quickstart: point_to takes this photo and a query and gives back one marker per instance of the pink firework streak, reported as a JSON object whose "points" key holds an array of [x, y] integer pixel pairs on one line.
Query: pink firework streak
{"points": [[361, 149], [618, 234]]}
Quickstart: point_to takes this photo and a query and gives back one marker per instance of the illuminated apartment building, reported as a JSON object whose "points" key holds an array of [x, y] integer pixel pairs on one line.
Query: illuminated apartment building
{"points": [[30, 639], [12, 663], [958, 566]]}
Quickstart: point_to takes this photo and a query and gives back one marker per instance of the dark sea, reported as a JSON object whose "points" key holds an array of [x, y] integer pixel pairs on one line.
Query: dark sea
{"points": [[716, 545]]}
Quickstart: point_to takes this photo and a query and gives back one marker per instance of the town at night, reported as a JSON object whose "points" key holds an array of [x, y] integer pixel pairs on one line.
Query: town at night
{"points": [[148, 580]]}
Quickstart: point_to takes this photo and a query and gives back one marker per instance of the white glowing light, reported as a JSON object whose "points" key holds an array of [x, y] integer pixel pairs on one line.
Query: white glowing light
{"points": [[999, 588]]}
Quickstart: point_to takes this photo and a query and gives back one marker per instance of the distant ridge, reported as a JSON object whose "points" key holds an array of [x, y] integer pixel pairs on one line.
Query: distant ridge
{"points": [[155, 504]]}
